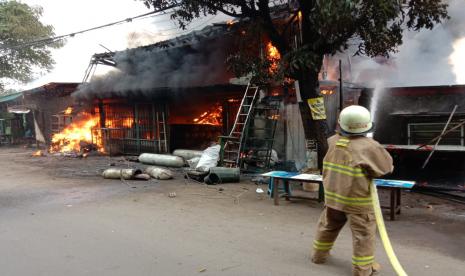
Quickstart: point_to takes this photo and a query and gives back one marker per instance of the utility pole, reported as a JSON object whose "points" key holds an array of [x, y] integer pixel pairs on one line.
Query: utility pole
{"points": [[341, 97]]}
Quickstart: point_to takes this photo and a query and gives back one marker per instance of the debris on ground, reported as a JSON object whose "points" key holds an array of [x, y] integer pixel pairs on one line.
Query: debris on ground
{"points": [[142, 176], [172, 195], [159, 173], [38, 153], [195, 175], [259, 180], [125, 174]]}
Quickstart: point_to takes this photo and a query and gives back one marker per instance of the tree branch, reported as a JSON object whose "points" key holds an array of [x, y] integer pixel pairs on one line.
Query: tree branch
{"points": [[267, 23]]}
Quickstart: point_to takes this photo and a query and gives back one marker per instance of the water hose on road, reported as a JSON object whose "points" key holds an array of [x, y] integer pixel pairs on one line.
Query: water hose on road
{"points": [[382, 232]]}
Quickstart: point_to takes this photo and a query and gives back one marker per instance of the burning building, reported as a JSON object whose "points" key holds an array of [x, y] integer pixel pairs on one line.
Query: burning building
{"points": [[179, 93], [51, 107], [172, 94], [409, 117]]}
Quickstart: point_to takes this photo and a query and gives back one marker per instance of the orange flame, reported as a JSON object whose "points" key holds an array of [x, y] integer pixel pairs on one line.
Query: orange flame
{"points": [[327, 91], [128, 122], [70, 138], [38, 153], [68, 111], [211, 117], [273, 56]]}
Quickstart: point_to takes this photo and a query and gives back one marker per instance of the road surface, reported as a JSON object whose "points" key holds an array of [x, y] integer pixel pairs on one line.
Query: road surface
{"points": [[58, 217]]}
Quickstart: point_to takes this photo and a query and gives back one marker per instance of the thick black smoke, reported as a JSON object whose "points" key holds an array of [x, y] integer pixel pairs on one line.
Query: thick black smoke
{"points": [[201, 63]]}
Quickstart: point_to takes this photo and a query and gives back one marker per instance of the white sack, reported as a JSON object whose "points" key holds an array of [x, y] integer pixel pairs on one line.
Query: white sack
{"points": [[159, 173], [209, 159]]}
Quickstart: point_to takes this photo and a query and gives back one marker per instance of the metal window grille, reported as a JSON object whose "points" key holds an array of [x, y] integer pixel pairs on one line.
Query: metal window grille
{"points": [[421, 133], [132, 128]]}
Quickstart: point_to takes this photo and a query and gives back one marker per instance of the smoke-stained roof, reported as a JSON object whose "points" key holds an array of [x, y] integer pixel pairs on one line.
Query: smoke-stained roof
{"points": [[194, 60]]}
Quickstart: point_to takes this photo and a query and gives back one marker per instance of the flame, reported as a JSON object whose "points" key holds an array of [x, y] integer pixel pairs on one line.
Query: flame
{"points": [[68, 111], [273, 56], [119, 122], [327, 92], [233, 100], [128, 122], [230, 22], [457, 59], [38, 153], [70, 138], [211, 117]]}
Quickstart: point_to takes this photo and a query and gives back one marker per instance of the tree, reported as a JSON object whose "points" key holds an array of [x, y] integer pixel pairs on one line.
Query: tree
{"points": [[328, 26], [24, 42]]}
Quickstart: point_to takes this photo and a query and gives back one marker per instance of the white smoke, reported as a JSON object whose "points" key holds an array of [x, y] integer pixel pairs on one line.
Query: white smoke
{"points": [[423, 59]]}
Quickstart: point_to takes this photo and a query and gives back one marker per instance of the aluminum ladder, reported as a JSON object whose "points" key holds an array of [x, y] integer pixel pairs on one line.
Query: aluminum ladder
{"points": [[232, 145], [259, 138], [161, 132]]}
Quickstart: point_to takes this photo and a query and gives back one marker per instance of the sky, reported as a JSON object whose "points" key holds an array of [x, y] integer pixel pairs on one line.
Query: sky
{"points": [[71, 16], [441, 51]]}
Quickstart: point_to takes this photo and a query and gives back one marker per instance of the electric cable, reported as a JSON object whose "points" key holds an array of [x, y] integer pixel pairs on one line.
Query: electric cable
{"points": [[188, 30], [50, 40]]}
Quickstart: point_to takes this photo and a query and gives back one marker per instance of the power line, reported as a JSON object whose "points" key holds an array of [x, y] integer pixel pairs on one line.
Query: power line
{"points": [[50, 40], [188, 30]]}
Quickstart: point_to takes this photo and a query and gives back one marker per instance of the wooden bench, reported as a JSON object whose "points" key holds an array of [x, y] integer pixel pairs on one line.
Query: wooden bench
{"points": [[276, 177]]}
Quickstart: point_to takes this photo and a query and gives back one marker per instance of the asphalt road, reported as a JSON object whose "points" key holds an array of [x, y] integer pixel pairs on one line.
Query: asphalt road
{"points": [[56, 222]]}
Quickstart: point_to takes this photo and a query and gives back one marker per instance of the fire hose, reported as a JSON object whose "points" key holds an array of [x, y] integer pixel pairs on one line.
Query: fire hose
{"points": [[383, 233]]}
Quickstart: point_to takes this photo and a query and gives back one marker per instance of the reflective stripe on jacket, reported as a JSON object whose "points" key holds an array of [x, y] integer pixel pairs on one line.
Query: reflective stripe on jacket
{"points": [[348, 168]]}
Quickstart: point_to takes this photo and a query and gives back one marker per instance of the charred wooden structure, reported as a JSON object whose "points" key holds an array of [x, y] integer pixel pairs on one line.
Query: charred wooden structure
{"points": [[186, 82], [48, 105], [408, 117], [168, 95]]}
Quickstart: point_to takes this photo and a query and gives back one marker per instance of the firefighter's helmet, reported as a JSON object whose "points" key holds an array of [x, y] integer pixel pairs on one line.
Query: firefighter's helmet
{"points": [[355, 120]]}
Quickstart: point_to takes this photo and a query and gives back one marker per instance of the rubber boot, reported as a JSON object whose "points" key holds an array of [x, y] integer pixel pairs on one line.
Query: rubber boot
{"points": [[320, 257], [376, 267]]}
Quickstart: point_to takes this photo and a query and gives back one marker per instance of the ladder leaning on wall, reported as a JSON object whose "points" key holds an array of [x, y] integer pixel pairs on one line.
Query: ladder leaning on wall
{"points": [[161, 132], [232, 145]]}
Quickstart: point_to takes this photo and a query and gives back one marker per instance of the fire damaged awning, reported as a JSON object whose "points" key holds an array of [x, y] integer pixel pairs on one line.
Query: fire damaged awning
{"points": [[196, 60], [19, 109]]}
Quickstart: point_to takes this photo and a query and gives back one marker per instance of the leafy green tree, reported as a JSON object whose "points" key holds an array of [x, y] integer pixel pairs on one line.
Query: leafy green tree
{"points": [[20, 53], [328, 26]]}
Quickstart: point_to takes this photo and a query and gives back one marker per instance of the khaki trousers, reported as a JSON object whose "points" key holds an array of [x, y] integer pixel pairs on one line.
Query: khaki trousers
{"points": [[363, 227]]}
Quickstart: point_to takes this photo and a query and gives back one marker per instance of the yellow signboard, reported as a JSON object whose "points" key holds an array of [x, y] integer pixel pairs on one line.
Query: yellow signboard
{"points": [[317, 106]]}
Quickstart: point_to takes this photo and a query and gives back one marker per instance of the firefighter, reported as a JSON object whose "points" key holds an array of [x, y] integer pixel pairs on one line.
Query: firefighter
{"points": [[352, 161]]}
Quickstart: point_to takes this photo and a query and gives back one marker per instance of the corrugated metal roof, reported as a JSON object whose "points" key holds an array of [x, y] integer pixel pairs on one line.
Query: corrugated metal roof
{"points": [[10, 97]]}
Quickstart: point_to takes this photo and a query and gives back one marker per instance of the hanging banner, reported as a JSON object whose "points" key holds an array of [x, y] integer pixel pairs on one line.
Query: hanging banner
{"points": [[317, 106]]}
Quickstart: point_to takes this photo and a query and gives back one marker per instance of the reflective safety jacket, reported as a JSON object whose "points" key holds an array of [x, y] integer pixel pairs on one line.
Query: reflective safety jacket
{"points": [[348, 169]]}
